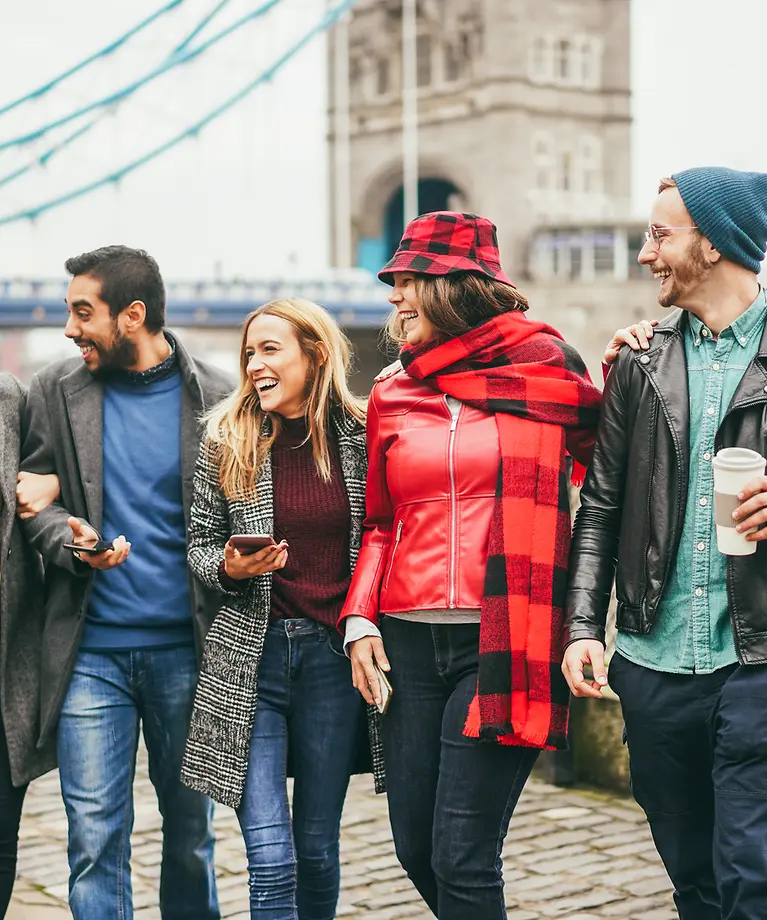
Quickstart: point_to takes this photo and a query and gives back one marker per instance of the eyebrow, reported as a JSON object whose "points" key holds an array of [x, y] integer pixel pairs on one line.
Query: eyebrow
{"points": [[79, 303], [265, 342]]}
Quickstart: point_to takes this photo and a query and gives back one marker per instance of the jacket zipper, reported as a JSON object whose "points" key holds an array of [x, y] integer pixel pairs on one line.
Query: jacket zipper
{"points": [[453, 507], [394, 552]]}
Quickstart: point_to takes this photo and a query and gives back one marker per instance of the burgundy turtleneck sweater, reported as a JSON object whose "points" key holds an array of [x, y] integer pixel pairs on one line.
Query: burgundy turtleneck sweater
{"points": [[313, 516]]}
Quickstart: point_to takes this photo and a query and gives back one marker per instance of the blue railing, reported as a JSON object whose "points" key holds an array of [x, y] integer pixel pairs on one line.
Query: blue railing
{"points": [[355, 302]]}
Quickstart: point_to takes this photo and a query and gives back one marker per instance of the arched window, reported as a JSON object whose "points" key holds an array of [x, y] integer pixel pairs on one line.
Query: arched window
{"points": [[541, 59], [563, 61], [590, 64], [590, 163], [544, 161], [565, 177]]}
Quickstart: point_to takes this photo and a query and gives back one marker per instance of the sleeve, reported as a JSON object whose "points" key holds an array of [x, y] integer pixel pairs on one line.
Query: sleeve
{"points": [[594, 549], [358, 628], [47, 531], [209, 527], [363, 597]]}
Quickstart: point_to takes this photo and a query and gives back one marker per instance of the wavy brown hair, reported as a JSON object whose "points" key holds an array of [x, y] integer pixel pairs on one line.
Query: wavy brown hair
{"points": [[457, 302], [238, 425]]}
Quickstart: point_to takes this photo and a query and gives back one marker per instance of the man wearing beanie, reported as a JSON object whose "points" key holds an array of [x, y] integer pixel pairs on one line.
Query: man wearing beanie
{"points": [[690, 665]]}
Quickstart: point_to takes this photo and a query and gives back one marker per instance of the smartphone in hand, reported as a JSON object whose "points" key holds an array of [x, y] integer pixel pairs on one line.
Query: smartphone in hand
{"points": [[91, 547], [386, 690], [247, 544]]}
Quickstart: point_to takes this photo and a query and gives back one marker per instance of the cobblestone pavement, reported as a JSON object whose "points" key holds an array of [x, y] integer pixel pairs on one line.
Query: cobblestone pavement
{"points": [[569, 854]]}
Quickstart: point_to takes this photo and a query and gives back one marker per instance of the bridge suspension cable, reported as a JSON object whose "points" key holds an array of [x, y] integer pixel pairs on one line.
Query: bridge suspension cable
{"points": [[330, 17]]}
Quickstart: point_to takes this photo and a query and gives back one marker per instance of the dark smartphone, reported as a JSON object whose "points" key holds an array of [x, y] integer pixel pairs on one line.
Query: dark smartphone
{"points": [[93, 547], [247, 544]]}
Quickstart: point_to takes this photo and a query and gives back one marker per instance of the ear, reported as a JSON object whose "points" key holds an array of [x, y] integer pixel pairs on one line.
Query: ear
{"points": [[322, 354], [134, 316], [714, 255]]}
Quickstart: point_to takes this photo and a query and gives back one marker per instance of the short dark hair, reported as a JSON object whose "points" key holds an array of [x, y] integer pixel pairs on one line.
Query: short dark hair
{"points": [[126, 275], [457, 302]]}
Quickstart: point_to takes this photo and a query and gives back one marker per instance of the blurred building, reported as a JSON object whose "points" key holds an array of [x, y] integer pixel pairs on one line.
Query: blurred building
{"points": [[524, 117]]}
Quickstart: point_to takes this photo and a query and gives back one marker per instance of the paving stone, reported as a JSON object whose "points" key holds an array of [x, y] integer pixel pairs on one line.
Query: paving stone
{"points": [[569, 854]]}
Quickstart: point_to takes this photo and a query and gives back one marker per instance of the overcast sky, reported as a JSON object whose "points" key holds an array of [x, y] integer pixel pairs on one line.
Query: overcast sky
{"points": [[248, 197]]}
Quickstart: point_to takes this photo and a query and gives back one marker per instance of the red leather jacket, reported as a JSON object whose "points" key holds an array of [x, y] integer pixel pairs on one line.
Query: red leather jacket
{"points": [[430, 493]]}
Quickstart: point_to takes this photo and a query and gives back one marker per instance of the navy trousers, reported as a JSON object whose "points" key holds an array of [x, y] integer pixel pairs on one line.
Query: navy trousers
{"points": [[698, 753]]}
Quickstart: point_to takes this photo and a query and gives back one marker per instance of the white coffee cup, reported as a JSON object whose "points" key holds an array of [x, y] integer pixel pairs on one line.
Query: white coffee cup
{"points": [[734, 468]]}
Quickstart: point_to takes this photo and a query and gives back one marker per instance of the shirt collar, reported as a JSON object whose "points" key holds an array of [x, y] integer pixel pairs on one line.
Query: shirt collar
{"points": [[742, 329]]}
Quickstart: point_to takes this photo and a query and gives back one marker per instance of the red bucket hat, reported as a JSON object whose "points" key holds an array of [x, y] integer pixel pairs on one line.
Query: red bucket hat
{"points": [[443, 242]]}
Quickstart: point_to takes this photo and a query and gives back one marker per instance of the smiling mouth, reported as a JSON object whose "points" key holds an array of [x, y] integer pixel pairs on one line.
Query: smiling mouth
{"points": [[661, 276], [407, 316], [266, 384], [86, 350]]}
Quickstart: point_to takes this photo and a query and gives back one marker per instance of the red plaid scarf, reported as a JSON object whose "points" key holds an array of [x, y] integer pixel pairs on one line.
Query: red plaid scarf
{"points": [[544, 404]]}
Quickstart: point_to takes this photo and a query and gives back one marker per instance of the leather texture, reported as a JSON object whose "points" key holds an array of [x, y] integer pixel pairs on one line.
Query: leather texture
{"points": [[430, 496], [634, 499]]}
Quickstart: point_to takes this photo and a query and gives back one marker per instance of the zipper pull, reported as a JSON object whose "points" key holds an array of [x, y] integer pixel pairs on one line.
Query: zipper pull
{"points": [[399, 528], [454, 422]]}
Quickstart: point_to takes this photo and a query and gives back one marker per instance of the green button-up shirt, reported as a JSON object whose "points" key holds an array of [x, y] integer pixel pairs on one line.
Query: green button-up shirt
{"points": [[692, 633]]}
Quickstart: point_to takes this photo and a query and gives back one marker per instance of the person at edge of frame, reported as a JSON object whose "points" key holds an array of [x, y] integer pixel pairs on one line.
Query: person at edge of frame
{"points": [[22, 611], [119, 426], [283, 457], [690, 665], [463, 562]]}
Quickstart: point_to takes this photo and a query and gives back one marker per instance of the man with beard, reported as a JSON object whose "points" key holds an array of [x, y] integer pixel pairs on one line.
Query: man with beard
{"points": [[690, 664], [119, 426]]}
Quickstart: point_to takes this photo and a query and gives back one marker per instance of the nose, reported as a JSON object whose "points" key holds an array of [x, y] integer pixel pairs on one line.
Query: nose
{"points": [[254, 364], [648, 253], [71, 330], [395, 297]]}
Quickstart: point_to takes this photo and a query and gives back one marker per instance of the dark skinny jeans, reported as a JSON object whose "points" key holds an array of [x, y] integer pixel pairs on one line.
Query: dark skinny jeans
{"points": [[11, 800]]}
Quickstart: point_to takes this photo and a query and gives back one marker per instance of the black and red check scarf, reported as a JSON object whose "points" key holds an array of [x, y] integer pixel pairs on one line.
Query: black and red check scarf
{"points": [[545, 405]]}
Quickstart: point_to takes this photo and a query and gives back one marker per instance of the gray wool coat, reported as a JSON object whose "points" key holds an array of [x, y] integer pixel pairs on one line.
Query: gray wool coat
{"points": [[63, 435], [22, 608]]}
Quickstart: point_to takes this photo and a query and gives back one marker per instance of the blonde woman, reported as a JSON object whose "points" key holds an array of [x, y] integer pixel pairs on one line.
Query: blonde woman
{"points": [[283, 456]]}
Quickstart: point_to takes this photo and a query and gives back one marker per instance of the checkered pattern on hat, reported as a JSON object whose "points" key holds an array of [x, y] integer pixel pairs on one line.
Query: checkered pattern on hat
{"points": [[443, 242]]}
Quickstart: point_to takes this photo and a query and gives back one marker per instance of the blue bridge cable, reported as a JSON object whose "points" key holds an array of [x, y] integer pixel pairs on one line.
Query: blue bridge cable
{"points": [[44, 158], [103, 52], [200, 26], [173, 61], [330, 17]]}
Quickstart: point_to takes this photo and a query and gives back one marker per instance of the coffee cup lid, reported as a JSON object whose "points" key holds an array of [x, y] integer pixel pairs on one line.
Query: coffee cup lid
{"points": [[738, 458]]}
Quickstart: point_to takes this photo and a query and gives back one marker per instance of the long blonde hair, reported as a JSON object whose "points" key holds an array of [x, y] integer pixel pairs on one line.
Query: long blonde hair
{"points": [[237, 424]]}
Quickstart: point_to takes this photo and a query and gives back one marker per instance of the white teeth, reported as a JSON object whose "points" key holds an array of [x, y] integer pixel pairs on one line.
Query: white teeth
{"points": [[267, 383], [406, 316]]}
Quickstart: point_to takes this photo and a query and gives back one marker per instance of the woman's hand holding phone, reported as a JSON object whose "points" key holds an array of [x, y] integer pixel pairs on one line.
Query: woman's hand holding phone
{"points": [[85, 536], [239, 565]]}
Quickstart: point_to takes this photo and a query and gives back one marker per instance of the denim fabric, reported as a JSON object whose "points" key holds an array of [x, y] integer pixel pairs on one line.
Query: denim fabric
{"points": [[109, 696], [11, 800], [698, 750], [450, 797], [308, 713], [701, 641]]}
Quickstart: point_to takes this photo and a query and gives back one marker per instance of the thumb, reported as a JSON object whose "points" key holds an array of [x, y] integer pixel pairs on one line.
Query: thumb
{"points": [[380, 655], [598, 668], [76, 526]]}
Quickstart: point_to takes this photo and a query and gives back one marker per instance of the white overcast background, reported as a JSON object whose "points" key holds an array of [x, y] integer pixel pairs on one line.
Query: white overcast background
{"points": [[248, 197]]}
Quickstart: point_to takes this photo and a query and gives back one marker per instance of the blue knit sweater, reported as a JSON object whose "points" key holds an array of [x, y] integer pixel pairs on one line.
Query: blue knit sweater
{"points": [[145, 602]]}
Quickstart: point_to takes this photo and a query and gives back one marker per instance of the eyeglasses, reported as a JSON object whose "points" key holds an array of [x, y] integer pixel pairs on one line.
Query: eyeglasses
{"points": [[656, 235]]}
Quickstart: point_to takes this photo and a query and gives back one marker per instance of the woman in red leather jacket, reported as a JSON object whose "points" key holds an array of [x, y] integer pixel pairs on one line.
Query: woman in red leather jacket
{"points": [[462, 571]]}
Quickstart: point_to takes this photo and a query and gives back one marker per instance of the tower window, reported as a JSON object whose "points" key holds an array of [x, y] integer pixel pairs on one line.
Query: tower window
{"points": [[383, 83], [424, 68]]}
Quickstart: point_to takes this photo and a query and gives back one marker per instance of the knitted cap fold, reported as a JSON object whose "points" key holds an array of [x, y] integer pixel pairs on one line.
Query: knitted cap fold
{"points": [[729, 207]]}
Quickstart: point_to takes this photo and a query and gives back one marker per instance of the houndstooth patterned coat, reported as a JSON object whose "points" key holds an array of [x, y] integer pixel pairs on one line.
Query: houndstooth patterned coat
{"points": [[216, 756]]}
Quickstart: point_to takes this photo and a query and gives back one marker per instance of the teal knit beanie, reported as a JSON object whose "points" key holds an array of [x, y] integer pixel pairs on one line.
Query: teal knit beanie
{"points": [[730, 209]]}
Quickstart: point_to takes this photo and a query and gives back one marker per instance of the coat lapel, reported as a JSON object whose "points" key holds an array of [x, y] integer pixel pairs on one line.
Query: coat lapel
{"points": [[9, 451], [84, 397]]}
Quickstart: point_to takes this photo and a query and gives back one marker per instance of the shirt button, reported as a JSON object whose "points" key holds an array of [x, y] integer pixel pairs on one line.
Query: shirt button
{"points": [[710, 410], [644, 359], [699, 592], [700, 547], [743, 340], [704, 501], [707, 455], [715, 366], [704, 332]]}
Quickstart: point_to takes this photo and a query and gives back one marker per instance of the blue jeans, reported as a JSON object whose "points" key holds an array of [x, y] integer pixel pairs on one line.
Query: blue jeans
{"points": [[450, 797], [110, 694], [309, 713]]}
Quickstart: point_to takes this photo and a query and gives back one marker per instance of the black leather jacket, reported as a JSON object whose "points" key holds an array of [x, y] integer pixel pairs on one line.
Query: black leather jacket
{"points": [[635, 495]]}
